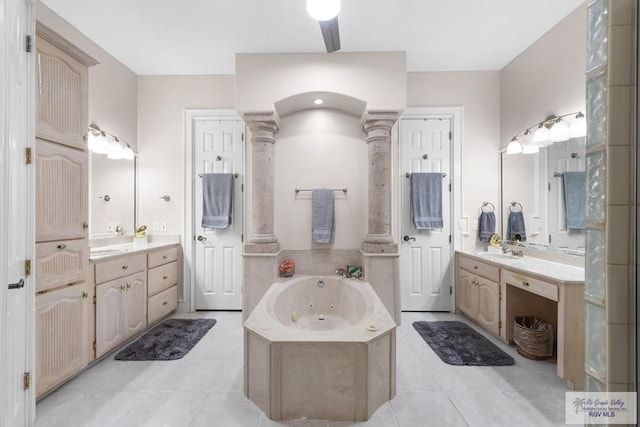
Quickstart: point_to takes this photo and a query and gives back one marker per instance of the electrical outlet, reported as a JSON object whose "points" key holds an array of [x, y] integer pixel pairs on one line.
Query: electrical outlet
{"points": [[156, 226], [163, 227]]}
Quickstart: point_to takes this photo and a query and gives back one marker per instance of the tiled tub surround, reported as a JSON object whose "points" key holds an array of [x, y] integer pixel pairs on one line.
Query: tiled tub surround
{"points": [[320, 347], [501, 287]]}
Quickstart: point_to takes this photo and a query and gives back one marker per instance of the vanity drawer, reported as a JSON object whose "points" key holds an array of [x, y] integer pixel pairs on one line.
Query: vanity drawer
{"points": [[162, 277], [529, 284], [162, 257], [485, 270], [162, 304], [123, 266], [61, 263]]}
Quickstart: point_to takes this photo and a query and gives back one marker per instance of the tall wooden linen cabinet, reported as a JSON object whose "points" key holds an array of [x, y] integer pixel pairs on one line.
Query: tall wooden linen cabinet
{"points": [[64, 299]]}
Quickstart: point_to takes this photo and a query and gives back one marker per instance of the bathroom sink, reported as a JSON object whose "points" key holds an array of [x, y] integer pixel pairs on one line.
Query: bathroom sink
{"points": [[107, 251]]}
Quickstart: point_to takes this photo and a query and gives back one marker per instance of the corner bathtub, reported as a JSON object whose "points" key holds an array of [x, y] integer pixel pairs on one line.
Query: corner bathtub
{"points": [[320, 347]]}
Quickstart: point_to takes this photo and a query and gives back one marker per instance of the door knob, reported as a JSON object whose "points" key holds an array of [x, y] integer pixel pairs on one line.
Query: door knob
{"points": [[18, 285], [407, 238], [202, 238]]}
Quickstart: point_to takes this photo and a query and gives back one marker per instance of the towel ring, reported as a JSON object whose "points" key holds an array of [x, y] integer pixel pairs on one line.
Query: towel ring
{"points": [[514, 204], [485, 204]]}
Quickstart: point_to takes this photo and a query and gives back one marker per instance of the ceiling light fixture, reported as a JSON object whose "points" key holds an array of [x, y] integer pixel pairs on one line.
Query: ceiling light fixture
{"points": [[323, 10], [550, 130], [318, 101]]}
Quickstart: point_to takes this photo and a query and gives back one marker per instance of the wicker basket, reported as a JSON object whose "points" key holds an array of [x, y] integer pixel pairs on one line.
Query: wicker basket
{"points": [[533, 337]]}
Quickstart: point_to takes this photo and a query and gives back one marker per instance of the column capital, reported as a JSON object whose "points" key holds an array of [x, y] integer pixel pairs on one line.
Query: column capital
{"points": [[379, 120], [262, 121]]}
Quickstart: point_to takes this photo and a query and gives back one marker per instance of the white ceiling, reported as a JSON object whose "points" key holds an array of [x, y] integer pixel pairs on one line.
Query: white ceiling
{"points": [[158, 37]]}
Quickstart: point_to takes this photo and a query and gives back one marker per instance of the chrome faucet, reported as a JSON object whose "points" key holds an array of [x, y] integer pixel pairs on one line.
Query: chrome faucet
{"points": [[342, 272], [514, 252]]}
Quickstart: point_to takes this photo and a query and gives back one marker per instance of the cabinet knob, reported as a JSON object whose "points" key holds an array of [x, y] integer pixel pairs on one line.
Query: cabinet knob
{"points": [[61, 246], [164, 257], [85, 294], [525, 283], [128, 286], [121, 288], [475, 267], [165, 303], [124, 267], [85, 225], [165, 277]]}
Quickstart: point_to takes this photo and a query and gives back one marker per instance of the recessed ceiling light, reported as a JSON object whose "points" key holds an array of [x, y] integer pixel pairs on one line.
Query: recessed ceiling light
{"points": [[318, 101]]}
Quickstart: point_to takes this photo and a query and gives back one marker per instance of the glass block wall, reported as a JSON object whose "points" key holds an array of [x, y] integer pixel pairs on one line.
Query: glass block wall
{"points": [[609, 290]]}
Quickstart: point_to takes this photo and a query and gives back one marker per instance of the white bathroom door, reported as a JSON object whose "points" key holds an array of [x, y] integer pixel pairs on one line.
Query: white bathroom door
{"points": [[426, 255], [17, 216], [563, 156], [218, 148]]}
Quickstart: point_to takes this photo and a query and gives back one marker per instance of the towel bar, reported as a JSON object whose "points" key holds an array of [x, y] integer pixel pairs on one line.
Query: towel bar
{"points": [[344, 190], [235, 175], [408, 175]]}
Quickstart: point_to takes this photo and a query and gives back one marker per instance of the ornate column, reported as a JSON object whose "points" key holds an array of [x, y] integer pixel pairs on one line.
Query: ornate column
{"points": [[263, 128], [378, 128]]}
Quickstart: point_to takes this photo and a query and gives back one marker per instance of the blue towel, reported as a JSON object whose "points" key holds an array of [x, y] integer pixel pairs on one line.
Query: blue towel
{"points": [[487, 226], [217, 197], [574, 192], [322, 215], [426, 200], [515, 225]]}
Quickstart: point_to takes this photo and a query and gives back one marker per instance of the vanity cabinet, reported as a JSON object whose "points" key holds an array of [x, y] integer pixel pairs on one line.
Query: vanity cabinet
{"points": [[62, 332], [64, 299], [121, 301], [478, 293], [163, 283]]}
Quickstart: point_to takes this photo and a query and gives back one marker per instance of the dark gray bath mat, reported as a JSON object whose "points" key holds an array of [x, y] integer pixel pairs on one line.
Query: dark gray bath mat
{"points": [[170, 340], [458, 344]]}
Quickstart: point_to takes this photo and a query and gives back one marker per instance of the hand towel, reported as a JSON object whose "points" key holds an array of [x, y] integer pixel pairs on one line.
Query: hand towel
{"points": [[487, 226], [426, 200], [322, 215], [217, 198], [574, 192], [515, 225]]}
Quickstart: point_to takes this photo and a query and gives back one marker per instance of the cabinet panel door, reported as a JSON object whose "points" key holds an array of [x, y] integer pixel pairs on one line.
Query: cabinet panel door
{"points": [[61, 192], [109, 316], [61, 263], [466, 293], [60, 335], [61, 93], [488, 299], [135, 303]]}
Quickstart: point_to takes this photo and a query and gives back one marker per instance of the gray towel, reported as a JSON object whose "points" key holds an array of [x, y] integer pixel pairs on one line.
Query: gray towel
{"points": [[217, 197], [426, 200], [322, 215], [574, 192], [487, 226], [515, 225]]}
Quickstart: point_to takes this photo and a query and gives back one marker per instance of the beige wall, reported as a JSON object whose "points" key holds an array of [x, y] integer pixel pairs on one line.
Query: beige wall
{"points": [[379, 79], [478, 93], [113, 90], [547, 78], [162, 101], [320, 149]]}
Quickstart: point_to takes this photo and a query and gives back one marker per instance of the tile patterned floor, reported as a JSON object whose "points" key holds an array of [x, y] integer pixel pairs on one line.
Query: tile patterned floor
{"points": [[205, 389]]}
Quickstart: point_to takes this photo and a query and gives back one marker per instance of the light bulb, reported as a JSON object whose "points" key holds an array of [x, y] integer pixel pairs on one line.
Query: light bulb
{"points": [[530, 149], [115, 150], [514, 146], [323, 10], [559, 131], [127, 153], [98, 144], [578, 127], [541, 136]]}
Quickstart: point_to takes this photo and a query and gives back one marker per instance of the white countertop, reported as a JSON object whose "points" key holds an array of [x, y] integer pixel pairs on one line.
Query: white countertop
{"points": [[112, 251], [549, 270]]}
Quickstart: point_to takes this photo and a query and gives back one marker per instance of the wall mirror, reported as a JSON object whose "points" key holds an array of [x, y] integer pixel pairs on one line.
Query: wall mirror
{"points": [[534, 184], [111, 196]]}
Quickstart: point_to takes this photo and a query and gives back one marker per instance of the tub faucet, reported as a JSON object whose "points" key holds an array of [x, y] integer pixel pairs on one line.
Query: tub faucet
{"points": [[342, 272]]}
